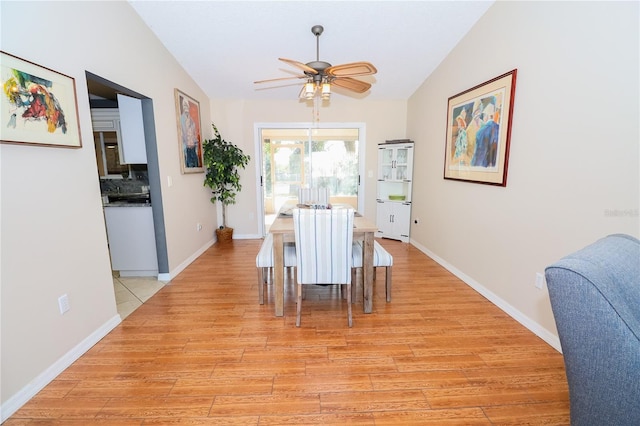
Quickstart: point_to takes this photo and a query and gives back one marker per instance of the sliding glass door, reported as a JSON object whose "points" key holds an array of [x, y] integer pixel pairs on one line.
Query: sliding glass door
{"points": [[294, 158]]}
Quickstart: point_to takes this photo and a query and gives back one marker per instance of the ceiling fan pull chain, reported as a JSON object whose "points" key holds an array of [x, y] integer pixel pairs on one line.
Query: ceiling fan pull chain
{"points": [[316, 110]]}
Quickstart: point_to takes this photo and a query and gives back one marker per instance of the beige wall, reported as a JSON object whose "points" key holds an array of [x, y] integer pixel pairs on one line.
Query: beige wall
{"points": [[574, 148], [53, 237]]}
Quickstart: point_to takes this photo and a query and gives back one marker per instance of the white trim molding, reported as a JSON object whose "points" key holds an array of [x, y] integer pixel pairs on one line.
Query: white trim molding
{"points": [[514, 313], [181, 267], [14, 403]]}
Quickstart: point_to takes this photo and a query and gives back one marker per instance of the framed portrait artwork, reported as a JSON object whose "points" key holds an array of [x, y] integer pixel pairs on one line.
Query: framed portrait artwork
{"points": [[479, 132], [189, 133], [38, 106]]}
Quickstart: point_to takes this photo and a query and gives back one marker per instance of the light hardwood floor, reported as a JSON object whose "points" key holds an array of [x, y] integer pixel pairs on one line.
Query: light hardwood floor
{"points": [[202, 351]]}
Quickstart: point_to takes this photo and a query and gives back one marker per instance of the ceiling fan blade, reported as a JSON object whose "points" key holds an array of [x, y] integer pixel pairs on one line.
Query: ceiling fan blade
{"points": [[303, 67], [279, 79], [351, 70], [351, 84]]}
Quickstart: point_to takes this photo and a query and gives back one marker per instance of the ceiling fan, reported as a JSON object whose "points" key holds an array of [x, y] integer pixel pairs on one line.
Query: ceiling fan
{"points": [[320, 75]]}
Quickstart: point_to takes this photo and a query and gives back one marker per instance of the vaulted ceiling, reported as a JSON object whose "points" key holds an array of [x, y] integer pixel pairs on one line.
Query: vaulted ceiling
{"points": [[227, 45]]}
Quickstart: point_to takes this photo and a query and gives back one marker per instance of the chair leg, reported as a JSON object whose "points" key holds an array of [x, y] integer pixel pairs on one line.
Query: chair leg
{"points": [[356, 283], [299, 304], [387, 280], [349, 317], [360, 282], [354, 276], [343, 290], [261, 285]]}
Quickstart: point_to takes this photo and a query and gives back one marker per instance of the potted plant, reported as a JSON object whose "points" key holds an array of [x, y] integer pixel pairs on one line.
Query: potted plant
{"points": [[222, 160]]}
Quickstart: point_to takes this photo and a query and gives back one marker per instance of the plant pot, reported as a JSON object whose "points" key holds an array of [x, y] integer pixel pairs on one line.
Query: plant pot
{"points": [[224, 234]]}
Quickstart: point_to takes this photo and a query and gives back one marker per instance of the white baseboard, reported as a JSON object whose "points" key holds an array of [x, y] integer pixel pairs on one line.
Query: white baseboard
{"points": [[530, 324], [14, 403], [149, 273], [247, 236], [181, 267], [165, 277]]}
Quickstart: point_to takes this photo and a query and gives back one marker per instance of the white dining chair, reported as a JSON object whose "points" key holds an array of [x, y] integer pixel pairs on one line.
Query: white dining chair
{"points": [[314, 195], [324, 251], [381, 258], [265, 262]]}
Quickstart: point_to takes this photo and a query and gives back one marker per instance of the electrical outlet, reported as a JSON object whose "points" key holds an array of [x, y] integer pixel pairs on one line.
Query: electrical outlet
{"points": [[63, 303], [539, 280]]}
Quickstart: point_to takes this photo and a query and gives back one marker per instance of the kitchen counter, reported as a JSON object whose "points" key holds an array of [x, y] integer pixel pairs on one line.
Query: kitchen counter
{"points": [[134, 199], [126, 204]]}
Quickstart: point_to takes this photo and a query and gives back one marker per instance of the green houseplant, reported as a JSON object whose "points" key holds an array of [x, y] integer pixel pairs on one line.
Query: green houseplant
{"points": [[222, 159]]}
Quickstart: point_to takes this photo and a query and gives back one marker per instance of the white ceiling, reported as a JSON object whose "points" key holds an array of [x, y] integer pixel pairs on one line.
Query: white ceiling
{"points": [[227, 45]]}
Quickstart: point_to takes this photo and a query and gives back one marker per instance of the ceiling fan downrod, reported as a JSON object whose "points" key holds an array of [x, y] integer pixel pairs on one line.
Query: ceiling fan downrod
{"points": [[317, 31], [318, 65]]}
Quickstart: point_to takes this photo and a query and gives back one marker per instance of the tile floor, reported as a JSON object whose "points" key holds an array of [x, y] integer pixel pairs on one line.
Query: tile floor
{"points": [[132, 292]]}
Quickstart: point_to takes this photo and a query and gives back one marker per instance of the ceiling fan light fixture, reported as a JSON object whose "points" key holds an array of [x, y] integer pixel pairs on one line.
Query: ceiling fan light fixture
{"points": [[326, 90], [309, 90]]}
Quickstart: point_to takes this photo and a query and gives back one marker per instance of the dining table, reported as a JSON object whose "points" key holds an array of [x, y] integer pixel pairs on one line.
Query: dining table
{"points": [[283, 230]]}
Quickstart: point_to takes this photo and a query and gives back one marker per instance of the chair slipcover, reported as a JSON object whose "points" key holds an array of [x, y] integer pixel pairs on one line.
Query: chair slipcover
{"points": [[595, 297], [324, 246], [381, 258], [313, 195], [264, 261]]}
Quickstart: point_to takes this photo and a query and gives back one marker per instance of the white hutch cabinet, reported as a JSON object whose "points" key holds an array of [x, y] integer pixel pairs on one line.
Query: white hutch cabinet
{"points": [[395, 172]]}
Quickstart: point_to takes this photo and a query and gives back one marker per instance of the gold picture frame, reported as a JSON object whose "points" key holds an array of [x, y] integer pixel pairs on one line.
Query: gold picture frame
{"points": [[189, 133], [479, 132], [38, 106]]}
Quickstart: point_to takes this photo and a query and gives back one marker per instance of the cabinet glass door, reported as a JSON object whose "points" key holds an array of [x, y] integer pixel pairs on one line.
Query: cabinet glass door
{"points": [[108, 154], [394, 163], [401, 163], [385, 166]]}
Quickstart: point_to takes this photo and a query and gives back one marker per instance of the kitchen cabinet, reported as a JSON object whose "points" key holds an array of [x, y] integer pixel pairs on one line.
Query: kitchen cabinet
{"points": [[134, 150], [395, 174], [108, 154], [123, 126], [132, 241]]}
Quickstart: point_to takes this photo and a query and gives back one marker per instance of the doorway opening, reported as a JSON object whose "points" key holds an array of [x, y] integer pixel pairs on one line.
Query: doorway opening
{"points": [[302, 156], [133, 184]]}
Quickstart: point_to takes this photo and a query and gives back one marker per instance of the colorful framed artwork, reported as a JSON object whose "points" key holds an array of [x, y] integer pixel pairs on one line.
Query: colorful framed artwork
{"points": [[38, 106], [479, 132], [189, 133]]}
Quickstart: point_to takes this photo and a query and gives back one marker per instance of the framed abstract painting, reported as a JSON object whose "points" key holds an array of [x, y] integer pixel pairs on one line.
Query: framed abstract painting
{"points": [[189, 133], [479, 132], [38, 106]]}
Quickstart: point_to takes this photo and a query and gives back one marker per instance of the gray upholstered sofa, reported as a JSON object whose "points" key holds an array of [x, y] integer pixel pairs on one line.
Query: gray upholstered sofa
{"points": [[595, 297]]}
